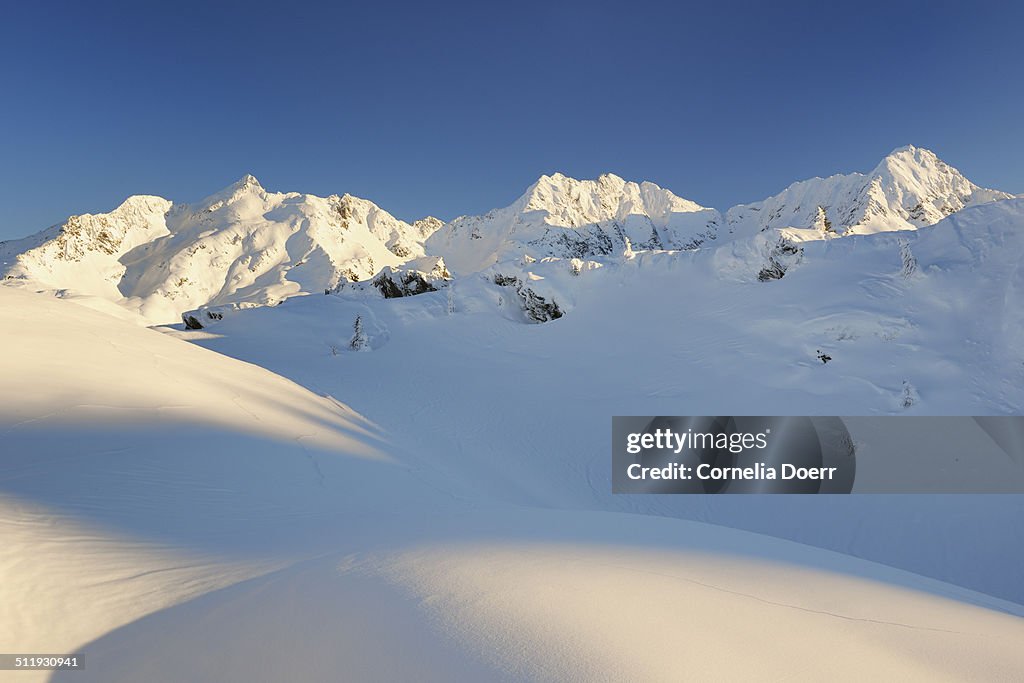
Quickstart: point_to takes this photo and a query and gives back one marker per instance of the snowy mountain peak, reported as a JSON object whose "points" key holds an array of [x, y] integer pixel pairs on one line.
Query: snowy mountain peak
{"points": [[83, 237], [909, 189], [242, 246], [560, 216], [909, 162], [245, 187], [912, 151], [248, 181], [247, 246], [607, 197]]}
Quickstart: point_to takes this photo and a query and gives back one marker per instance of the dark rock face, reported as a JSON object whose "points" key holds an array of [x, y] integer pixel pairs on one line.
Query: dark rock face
{"points": [[399, 250], [536, 307], [782, 257], [773, 271], [388, 287], [709, 234], [192, 318], [416, 277], [588, 243], [409, 284]]}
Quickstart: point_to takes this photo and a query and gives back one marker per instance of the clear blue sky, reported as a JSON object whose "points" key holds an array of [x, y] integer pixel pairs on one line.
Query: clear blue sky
{"points": [[454, 108]]}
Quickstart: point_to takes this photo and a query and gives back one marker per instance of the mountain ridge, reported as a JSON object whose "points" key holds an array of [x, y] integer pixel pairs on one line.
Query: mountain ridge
{"points": [[247, 246], [242, 245], [559, 216], [908, 189]]}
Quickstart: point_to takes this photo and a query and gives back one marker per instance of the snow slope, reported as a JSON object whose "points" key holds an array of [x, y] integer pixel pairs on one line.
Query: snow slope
{"points": [[139, 472], [920, 323], [452, 519], [177, 515], [563, 596], [118, 442], [910, 188], [241, 246]]}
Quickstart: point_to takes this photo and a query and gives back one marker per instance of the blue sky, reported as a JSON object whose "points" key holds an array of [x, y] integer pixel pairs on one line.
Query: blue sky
{"points": [[455, 108]]}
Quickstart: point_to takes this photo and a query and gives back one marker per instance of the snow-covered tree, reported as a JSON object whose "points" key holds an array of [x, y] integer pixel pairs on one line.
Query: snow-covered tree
{"points": [[821, 221], [358, 342], [627, 253], [909, 396], [907, 259]]}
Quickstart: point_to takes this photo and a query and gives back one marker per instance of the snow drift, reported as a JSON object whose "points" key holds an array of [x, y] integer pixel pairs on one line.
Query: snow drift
{"points": [[160, 499]]}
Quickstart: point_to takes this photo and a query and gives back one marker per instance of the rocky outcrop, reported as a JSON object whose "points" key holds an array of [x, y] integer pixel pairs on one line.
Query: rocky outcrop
{"points": [[536, 307], [419, 276], [781, 258]]}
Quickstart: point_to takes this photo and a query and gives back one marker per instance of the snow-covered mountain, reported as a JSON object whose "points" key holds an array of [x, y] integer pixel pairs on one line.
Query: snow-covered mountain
{"points": [[402, 481], [911, 188], [563, 217], [241, 246], [245, 246]]}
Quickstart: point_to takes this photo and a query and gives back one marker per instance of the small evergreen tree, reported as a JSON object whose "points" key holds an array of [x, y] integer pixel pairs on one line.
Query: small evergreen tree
{"points": [[821, 221], [908, 260], [358, 342]]}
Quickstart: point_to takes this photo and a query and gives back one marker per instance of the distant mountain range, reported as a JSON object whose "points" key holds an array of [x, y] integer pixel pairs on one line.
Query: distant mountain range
{"points": [[245, 246]]}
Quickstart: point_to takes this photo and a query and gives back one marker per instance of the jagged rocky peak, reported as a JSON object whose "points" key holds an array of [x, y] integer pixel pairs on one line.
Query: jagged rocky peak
{"points": [[571, 202], [247, 182], [427, 226], [85, 237], [404, 240], [559, 195], [909, 189], [917, 163], [927, 188], [242, 245], [912, 158], [352, 207], [245, 245], [562, 217], [138, 218], [245, 187]]}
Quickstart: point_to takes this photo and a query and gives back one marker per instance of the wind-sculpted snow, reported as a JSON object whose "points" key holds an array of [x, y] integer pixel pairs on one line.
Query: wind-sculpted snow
{"points": [[139, 471], [176, 514]]}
